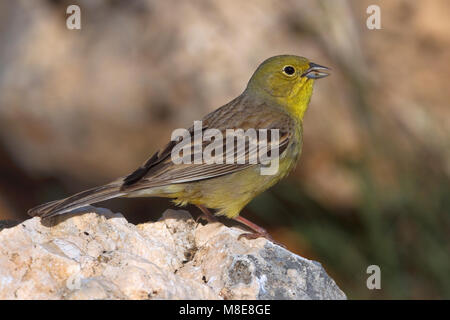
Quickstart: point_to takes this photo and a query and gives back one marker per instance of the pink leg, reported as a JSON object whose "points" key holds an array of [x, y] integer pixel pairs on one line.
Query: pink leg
{"points": [[258, 231], [208, 216]]}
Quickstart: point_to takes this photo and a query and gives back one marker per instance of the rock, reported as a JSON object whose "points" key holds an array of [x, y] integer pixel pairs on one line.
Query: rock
{"points": [[99, 255]]}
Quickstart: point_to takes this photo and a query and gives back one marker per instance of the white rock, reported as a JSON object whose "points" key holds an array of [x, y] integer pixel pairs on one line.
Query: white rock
{"points": [[96, 254]]}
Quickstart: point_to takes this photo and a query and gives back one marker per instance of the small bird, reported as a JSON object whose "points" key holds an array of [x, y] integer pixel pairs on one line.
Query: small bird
{"points": [[276, 97]]}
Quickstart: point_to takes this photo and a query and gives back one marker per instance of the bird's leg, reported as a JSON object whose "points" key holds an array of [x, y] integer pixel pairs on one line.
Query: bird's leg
{"points": [[258, 231], [206, 215]]}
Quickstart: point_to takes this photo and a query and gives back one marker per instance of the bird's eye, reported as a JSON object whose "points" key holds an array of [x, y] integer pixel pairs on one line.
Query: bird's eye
{"points": [[289, 70]]}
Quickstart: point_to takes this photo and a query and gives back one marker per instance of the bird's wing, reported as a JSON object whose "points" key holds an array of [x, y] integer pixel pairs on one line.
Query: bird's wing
{"points": [[160, 170]]}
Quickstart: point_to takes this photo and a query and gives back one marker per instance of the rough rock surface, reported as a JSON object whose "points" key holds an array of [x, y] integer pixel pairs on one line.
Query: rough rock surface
{"points": [[99, 255]]}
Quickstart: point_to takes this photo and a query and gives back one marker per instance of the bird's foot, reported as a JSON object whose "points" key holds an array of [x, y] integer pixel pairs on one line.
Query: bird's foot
{"points": [[206, 215], [259, 232], [256, 235], [207, 218]]}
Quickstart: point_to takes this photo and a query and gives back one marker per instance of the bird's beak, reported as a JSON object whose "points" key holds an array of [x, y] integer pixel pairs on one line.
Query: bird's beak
{"points": [[316, 71]]}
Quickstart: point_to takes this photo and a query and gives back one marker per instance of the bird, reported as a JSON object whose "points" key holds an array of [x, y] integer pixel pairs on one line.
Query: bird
{"points": [[275, 98]]}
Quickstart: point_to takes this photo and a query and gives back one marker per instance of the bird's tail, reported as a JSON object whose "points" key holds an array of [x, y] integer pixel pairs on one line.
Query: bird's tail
{"points": [[79, 200]]}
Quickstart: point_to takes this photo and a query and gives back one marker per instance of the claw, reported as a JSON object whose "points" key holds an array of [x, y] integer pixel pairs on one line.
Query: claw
{"points": [[206, 215], [256, 235], [207, 218]]}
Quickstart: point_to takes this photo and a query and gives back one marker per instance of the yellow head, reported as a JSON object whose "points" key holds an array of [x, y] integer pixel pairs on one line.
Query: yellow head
{"points": [[287, 80]]}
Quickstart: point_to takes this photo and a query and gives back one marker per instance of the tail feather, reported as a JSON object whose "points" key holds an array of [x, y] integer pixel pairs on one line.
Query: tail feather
{"points": [[78, 200]]}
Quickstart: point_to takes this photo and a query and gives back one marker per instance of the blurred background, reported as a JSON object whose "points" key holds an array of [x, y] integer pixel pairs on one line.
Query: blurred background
{"points": [[79, 108]]}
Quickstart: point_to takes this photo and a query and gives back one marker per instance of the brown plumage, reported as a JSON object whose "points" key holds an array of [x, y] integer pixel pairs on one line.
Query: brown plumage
{"points": [[159, 170]]}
